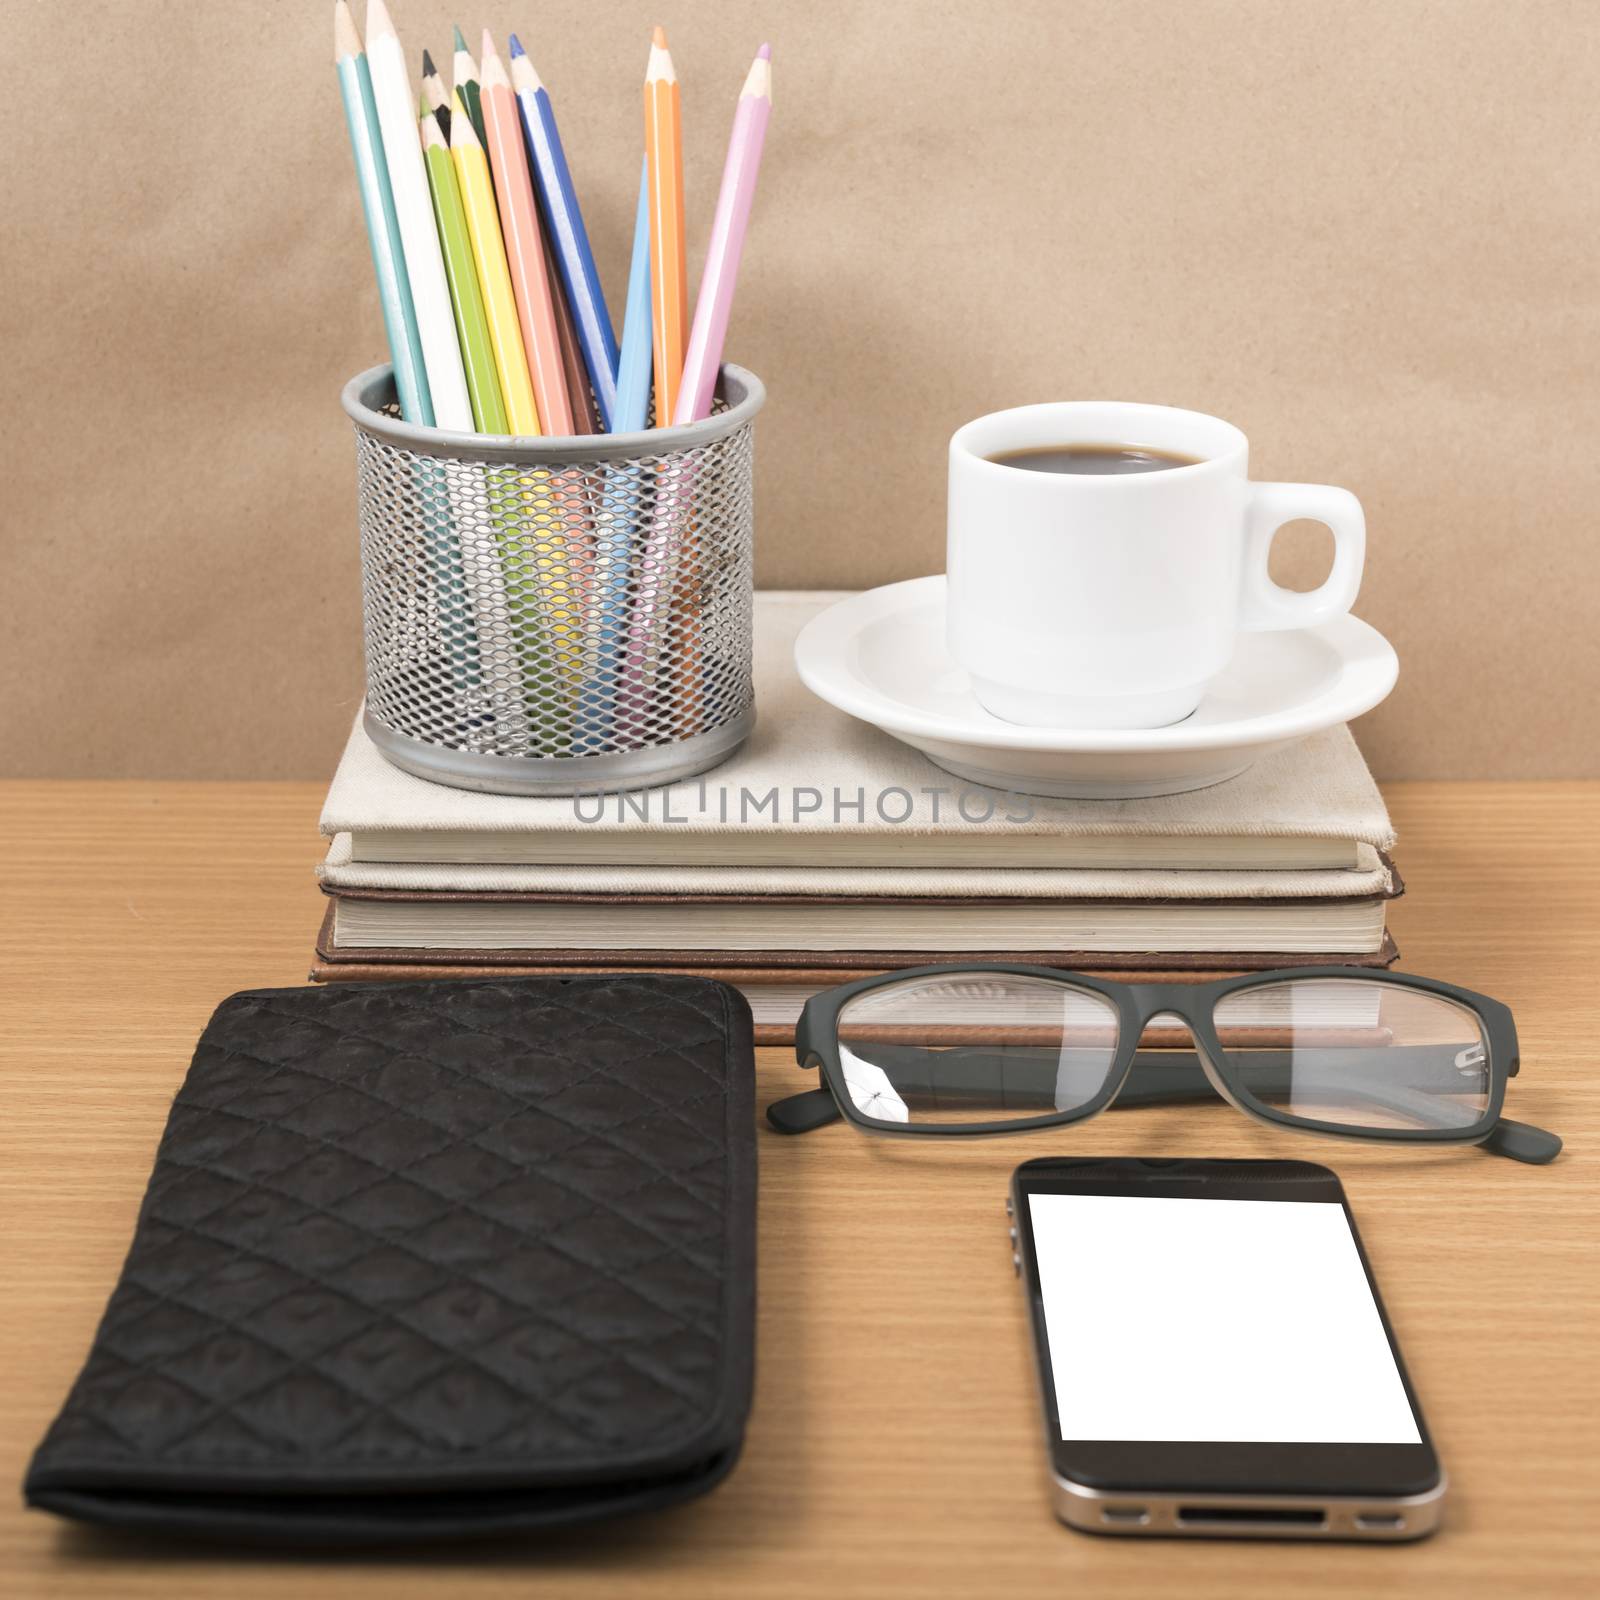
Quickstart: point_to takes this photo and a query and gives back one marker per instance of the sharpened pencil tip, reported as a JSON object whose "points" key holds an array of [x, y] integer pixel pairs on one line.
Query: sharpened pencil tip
{"points": [[462, 134], [494, 69], [428, 68], [659, 68], [346, 41], [461, 39], [516, 46], [758, 81]]}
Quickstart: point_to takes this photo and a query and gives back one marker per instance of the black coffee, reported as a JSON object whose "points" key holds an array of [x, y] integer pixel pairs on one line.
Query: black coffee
{"points": [[1099, 460]]}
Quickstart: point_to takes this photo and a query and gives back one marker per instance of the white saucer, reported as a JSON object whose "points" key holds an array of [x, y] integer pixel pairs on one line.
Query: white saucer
{"points": [[881, 656]]}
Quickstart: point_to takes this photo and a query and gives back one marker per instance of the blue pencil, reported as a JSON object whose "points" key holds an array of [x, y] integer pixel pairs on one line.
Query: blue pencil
{"points": [[617, 529], [383, 225], [564, 220], [633, 367]]}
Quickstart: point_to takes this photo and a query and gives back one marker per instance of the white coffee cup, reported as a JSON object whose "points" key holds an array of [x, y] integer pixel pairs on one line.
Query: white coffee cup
{"points": [[1084, 601]]}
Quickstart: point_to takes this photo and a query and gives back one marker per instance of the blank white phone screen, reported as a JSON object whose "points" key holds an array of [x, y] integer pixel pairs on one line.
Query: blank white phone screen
{"points": [[1213, 1320]]}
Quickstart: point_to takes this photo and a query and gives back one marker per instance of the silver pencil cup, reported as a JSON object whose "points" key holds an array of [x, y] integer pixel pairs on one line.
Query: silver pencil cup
{"points": [[557, 616]]}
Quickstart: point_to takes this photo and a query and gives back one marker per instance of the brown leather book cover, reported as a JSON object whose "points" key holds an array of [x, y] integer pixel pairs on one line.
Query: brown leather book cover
{"points": [[807, 980]]}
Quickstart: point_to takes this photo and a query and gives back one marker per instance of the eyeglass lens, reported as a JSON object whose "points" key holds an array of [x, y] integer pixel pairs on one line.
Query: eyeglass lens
{"points": [[975, 1047], [1357, 1053]]}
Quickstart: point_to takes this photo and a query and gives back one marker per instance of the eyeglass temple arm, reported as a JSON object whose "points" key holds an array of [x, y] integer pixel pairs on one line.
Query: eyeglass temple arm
{"points": [[1165, 1078], [1521, 1141], [800, 1113], [1172, 1077]]}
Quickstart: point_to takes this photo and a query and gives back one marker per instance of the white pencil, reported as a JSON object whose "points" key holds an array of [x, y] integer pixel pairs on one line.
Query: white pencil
{"points": [[408, 178]]}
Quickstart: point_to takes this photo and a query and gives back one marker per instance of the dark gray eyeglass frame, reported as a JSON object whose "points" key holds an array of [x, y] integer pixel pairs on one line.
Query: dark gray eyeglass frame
{"points": [[1212, 1075]]}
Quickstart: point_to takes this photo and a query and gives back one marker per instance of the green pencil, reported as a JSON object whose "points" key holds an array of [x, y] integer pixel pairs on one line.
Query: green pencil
{"points": [[472, 325], [466, 85], [515, 587]]}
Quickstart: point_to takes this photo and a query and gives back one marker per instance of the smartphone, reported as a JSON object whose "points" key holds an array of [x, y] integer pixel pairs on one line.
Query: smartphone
{"points": [[1213, 1356]]}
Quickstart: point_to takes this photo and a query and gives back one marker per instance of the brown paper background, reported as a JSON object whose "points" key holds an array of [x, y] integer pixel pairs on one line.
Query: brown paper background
{"points": [[1365, 230]]}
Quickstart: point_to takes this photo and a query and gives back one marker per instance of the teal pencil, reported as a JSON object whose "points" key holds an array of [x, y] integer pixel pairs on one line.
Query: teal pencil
{"points": [[383, 226]]}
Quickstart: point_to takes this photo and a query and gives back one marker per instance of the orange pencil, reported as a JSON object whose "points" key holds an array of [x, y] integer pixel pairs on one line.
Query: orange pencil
{"points": [[669, 277], [525, 251]]}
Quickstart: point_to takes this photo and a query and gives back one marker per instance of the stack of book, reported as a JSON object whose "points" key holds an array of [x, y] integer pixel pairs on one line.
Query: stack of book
{"points": [[826, 850]]}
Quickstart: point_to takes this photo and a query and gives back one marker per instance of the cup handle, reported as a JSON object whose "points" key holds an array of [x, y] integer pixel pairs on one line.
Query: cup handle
{"points": [[1266, 606]]}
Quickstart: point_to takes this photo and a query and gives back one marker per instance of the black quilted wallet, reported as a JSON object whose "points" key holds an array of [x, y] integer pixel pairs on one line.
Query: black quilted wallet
{"points": [[431, 1259]]}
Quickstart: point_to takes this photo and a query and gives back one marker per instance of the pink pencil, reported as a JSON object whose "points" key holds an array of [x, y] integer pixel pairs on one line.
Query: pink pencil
{"points": [[703, 358]]}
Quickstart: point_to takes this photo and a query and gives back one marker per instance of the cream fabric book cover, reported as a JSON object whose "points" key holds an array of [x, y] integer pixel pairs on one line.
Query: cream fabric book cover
{"points": [[1371, 876], [817, 790]]}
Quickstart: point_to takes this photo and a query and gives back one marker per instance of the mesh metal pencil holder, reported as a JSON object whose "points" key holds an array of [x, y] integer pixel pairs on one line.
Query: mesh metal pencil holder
{"points": [[557, 616]]}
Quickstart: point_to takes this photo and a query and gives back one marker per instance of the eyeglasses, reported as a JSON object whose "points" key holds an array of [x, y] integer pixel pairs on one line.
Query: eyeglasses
{"points": [[1339, 1051]]}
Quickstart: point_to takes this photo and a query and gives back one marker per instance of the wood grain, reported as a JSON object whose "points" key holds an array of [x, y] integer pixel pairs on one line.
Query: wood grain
{"points": [[895, 1449]]}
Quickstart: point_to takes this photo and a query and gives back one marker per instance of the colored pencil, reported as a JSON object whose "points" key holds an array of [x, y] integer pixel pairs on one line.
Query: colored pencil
{"points": [[580, 396], [486, 570], [440, 115], [433, 90], [466, 85], [703, 360], [623, 496], [494, 277], [538, 559], [461, 271], [633, 365], [563, 219], [575, 606], [566, 560], [494, 680], [658, 554], [436, 514], [435, 97], [663, 143], [408, 181], [524, 248], [383, 227]]}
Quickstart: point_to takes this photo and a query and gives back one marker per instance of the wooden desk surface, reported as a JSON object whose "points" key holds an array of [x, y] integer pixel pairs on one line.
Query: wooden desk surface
{"points": [[895, 1447]]}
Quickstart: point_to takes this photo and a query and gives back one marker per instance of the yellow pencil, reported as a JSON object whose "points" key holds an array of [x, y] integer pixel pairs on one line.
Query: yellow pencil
{"points": [[494, 276]]}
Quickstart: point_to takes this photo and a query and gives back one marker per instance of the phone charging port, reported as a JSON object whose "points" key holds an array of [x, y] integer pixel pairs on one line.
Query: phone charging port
{"points": [[1252, 1516], [1120, 1516]]}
